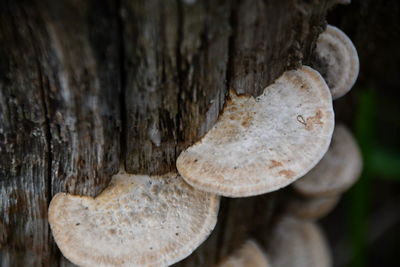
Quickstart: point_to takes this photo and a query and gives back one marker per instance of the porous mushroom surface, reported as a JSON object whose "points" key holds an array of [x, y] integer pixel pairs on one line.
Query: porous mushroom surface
{"points": [[311, 208], [298, 243], [261, 144], [338, 170], [337, 60], [138, 220], [249, 255]]}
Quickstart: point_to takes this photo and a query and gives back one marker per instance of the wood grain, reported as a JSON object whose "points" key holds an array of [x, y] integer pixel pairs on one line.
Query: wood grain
{"points": [[88, 85]]}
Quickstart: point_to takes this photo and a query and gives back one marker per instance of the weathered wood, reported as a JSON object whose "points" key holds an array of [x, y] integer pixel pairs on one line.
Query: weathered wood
{"points": [[24, 147], [85, 85], [60, 115], [81, 73], [176, 64]]}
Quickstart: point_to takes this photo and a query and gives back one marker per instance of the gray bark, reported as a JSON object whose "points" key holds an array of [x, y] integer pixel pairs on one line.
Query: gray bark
{"points": [[88, 85]]}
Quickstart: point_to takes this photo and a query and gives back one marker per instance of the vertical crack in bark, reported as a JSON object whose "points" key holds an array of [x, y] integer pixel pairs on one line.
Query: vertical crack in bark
{"points": [[122, 84], [224, 212], [47, 132], [231, 45], [45, 105], [180, 21]]}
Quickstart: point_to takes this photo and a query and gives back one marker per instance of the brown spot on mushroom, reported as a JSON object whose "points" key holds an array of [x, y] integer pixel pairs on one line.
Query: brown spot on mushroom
{"points": [[245, 123], [304, 87], [275, 164], [316, 119], [288, 173]]}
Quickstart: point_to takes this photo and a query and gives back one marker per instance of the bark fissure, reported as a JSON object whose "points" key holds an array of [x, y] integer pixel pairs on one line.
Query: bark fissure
{"points": [[43, 81], [180, 75], [225, 203], [122, 77], [231, 45], [47, 131]]}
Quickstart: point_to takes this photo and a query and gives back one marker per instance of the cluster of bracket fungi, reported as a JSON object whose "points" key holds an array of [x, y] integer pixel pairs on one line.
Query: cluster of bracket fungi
{"points": [[258, 145]]}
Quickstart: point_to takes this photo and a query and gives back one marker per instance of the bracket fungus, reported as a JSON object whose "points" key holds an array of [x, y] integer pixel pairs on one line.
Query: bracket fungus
{"points": [[337, 60], [311, 208], [298, 243], [137, 221], [338, 170], [262, 144], [249, 255]]}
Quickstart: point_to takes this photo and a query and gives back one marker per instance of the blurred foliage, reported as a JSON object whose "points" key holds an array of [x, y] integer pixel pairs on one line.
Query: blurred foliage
{"points": [[378, 162], [385, 163], [372, 107], [360, 193]]}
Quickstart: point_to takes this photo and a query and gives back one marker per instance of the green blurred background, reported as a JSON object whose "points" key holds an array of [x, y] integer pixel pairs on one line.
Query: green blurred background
{"points": [[364, 230]]}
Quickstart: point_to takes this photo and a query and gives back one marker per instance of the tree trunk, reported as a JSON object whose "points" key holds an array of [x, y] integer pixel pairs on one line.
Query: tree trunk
{"points": [[88, 85]]}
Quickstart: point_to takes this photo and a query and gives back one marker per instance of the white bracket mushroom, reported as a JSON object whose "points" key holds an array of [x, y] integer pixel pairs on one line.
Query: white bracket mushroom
{"points": [[249, 255], [337, 60], [137, 221], [311, 208], [261, 144], [338, 170], [298, 243]]}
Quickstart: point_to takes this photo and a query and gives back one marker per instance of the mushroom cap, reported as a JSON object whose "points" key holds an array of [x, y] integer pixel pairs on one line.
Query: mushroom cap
{"points": [[137, 221], [249, 255], [338, 60], [311, 208], [298, 243], [262, 144], [338, 170]]}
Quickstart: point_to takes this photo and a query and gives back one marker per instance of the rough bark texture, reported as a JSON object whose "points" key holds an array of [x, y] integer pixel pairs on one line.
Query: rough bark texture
{"points": [[88, 85]]}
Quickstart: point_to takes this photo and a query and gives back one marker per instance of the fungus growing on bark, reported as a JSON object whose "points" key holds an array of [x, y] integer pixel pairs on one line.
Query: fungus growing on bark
{"points": [[249, 255], [298, 243], [337, 171], [337, 60], [311, 208], [262, 144], [137, 221]]}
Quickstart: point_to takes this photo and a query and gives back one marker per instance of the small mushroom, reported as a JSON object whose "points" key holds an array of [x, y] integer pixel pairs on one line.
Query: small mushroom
{"points": [[338, 170], [138, 220], [298, 243], [249, 255], [262, 144], [337, 60], [311, 208]]}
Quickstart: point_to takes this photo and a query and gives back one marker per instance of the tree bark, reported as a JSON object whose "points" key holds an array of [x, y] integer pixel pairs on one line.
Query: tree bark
{"points": [[86, 86]]}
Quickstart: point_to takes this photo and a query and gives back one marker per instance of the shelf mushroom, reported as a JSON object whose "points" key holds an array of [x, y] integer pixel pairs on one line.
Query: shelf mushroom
{"points": [[249, 255], [298, 243], [262, 144], [338, 170], [311, 208], [337, 60], [138, 220]]}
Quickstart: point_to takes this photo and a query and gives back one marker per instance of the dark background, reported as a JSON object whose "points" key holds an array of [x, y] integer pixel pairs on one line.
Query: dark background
{"points": [[364, 230]]}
